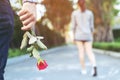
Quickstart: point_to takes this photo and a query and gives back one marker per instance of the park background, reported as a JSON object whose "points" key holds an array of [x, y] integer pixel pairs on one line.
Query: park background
{"points": [[54, 24]]}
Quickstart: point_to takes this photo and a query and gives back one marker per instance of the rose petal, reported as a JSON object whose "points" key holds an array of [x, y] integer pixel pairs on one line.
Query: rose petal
{"points": [[42, 65]]}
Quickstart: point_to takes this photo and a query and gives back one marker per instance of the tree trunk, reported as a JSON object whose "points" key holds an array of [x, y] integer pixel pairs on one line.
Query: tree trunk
{"points": [[103, 34]]}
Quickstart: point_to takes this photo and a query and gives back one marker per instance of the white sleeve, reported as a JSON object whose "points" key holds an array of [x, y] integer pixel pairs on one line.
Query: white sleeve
{"points": [[92, 22], [73, 22]]}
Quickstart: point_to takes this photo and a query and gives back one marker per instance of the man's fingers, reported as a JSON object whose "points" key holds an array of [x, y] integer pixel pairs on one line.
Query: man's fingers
{"points": [[29, 20], [22, 12], [28, 27], [28, 15], [25, 16]]}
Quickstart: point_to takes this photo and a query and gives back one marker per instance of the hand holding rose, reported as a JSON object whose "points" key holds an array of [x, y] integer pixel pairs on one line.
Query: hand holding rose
{"points": [[28, 15]]}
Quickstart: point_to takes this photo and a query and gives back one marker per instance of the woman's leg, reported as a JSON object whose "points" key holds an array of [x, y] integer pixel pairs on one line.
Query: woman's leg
{"points": [[91, 56], [80, 46]]}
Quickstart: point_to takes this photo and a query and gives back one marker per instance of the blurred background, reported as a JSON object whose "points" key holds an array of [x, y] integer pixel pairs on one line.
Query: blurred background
{"points": [[54, 18]]}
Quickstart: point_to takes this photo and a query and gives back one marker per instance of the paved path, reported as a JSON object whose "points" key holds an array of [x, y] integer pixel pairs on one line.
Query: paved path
{"points": [[64, 65]]}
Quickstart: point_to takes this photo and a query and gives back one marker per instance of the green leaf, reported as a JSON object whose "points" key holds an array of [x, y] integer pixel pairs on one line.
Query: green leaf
{"points": [[30, 48], [36, 54], [24, 41], [41, 45]]}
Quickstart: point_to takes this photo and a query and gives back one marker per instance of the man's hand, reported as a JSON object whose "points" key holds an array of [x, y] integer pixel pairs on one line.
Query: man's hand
{"points": [[28, 15]]}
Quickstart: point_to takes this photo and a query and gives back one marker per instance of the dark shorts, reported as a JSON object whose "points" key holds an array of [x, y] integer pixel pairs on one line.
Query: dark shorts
{"points": [[83, 40], [6, 31]]}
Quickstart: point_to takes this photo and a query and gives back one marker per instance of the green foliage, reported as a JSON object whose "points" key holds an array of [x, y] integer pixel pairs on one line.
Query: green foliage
{"points": [[18, 33], [116, 33], [115, 12], [104, 10], [58, 12], [117, 39], [16, 52], [104, 13], [20, 1], [114, 46]]}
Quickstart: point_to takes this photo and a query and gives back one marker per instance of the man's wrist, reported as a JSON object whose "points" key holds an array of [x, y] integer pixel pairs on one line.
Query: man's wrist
{"points": [[31, 1]]}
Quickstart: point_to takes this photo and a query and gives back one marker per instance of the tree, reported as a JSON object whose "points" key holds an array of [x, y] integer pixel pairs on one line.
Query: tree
{"points": [[104, 12], [58, 12]]}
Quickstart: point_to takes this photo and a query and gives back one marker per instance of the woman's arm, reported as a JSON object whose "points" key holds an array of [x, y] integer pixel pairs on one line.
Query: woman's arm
{"points": [[92, 22], [73, 22]]}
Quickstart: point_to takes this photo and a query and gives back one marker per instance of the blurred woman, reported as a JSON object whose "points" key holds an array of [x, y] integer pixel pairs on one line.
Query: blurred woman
{"points": [[83, 27]]}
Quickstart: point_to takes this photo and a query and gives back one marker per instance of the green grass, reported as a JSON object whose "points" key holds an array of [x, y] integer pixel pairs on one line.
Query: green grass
{"points": [[113, 46], [16, 52]]}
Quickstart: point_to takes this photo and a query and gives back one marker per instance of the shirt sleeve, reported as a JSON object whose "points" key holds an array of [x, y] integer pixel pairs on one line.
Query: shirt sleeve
{"points": [[92, 22], [73, 22]]}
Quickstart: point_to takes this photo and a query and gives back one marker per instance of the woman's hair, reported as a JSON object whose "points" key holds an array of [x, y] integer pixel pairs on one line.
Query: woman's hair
{"points": [[80, 0], [81, 3]]}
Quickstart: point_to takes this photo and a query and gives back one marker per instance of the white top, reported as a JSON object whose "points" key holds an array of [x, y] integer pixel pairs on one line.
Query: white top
{"points": [[82, 24]]}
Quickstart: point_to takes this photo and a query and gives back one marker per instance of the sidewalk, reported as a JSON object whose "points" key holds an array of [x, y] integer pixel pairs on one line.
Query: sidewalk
{"points": [[105, 52], [98, 51], [63, 65]]}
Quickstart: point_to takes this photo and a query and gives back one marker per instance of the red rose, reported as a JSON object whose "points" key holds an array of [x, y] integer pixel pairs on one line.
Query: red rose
{"points": [[42, 64]]}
